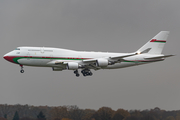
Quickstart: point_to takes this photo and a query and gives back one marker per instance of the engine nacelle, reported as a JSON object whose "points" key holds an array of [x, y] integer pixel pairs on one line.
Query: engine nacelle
{"points": [[56, 69], [72, 66], [102, 62]]}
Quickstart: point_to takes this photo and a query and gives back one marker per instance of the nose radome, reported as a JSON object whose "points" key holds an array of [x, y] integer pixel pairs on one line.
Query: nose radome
{"points": [[8, 58], [5, 56]]}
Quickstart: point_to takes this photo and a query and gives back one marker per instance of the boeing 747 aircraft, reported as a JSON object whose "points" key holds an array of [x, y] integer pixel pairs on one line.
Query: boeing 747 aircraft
{"points": [[63, 59]]}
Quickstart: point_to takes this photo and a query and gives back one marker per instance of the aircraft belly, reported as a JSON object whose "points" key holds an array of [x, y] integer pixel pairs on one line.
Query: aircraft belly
{"points": [[34, 62]]}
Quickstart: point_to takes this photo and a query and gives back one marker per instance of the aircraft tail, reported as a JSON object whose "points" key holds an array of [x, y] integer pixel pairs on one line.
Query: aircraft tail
{"points": [[156, 44]]}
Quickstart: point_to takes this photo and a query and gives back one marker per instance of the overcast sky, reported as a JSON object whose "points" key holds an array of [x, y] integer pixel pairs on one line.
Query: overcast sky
{"points": [[91, 25]]}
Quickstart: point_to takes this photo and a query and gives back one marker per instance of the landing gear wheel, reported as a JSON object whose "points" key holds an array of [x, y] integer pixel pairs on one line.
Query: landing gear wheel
{"points": [[22, 71], [86, 72], [77, 73], [90, 74], [82, 72]]}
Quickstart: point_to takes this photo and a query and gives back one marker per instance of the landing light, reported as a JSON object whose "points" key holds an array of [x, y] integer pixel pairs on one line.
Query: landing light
{"points": [[138, 52]]}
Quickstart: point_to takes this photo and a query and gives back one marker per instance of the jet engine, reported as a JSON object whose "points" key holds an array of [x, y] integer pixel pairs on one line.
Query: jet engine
{"points": [[56, 69], [72, 66], [102, 62]]}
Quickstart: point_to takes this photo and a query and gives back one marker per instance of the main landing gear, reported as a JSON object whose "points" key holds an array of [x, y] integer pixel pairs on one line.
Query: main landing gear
{"points": [[85, 72], [22, 71], [77, 73]]}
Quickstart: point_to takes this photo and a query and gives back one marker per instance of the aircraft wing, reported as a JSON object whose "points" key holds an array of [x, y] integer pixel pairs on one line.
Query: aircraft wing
{"points": [[91, 63], [92, 66], [123, 56], [111, 57], [89, 60]]}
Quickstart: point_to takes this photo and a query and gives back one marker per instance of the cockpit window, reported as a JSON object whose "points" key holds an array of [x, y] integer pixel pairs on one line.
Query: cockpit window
{"points": [[17, 49]]}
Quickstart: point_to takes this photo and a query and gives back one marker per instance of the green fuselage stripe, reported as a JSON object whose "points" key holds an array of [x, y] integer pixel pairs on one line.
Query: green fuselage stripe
{"points": [[17, 58], [160, 41]]}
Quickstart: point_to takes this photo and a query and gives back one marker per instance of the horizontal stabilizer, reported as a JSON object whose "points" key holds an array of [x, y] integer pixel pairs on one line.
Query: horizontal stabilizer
{"points": [[159, 57]]}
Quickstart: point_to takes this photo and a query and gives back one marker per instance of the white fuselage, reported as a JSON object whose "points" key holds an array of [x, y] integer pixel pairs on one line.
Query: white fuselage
{"points": [[43, 56], [62, 59]]}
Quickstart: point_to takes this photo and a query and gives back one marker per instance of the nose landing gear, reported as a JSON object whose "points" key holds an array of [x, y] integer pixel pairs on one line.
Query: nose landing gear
{"points": [[22, 71]]}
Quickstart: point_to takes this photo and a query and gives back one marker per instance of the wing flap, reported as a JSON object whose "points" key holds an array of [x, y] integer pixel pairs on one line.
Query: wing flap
{"points": [[92, 66], [111, 57], [56, 62]]}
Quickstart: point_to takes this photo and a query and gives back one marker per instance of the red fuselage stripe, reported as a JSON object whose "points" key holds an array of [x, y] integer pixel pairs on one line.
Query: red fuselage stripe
{"points": [[154, 40]]}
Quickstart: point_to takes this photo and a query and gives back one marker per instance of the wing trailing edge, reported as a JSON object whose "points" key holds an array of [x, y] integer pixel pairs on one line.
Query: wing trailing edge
{"points": [[112, 57], [123, 56]]}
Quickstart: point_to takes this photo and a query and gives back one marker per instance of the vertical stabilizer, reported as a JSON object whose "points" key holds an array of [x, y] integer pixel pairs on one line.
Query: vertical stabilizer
{"points": [[156, 44]]}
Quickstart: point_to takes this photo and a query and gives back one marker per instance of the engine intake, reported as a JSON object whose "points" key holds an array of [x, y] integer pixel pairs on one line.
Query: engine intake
{"points": [[72, 66], [102, 62]]}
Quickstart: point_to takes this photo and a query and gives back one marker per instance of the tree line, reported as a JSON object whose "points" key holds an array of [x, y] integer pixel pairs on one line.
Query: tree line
{"points": [[29, 112]]}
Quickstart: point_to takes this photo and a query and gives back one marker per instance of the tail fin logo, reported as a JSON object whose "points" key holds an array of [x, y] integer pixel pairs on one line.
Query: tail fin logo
{"points": [[159, 41]]}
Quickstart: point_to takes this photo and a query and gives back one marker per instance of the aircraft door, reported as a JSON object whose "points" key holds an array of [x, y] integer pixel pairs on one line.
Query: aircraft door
{"points": [[42, 50], [28, 56], [51, 57]]}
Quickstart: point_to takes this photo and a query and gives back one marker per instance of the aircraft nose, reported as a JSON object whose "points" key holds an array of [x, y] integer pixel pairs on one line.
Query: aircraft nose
{"points": [[8, 58], [5, 57]]}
